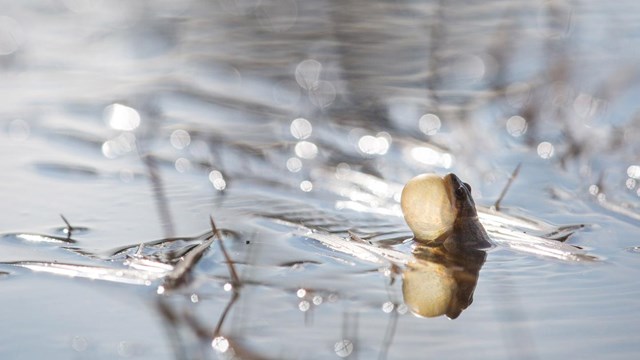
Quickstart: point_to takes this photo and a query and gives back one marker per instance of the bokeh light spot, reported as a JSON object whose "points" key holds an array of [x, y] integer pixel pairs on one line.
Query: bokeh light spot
{"points": [[633, 171], [323, 94], [306, 150], [306, 186], [304, 305], [220, 344], [402, 309], [374, 145], [308, 74], [343, 348], [121, 117], [301, 293], [216, 178], [388, 307], [429, 124], [516, 126], [109, 149], [301, 128], [429, 156], [182, 165], [79, 343], [545, 150], [118, 146], [294, 164], [180, 139]]}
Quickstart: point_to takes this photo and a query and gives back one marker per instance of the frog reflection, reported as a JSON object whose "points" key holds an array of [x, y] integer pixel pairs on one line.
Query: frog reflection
{"points": [[441, 281]]}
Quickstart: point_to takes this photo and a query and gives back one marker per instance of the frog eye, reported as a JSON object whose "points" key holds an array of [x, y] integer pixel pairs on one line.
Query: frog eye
{"points": [[462, 191]]}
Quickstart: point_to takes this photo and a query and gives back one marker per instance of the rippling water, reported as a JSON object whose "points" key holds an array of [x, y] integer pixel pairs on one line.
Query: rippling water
{"points": [[294, 125]]}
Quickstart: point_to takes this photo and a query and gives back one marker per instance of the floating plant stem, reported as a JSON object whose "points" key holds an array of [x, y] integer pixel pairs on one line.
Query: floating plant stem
{"points": [[69, 228]]}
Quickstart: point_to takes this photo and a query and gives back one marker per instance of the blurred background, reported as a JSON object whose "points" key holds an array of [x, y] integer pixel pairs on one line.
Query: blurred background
{"points": [[139, 120]]}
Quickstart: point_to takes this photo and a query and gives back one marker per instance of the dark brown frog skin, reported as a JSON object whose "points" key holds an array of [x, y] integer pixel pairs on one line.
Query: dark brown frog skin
{"points": [[467, 231]]}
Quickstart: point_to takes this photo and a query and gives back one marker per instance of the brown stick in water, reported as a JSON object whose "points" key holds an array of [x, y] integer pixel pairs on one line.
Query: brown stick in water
{"points": [[513, 176]]}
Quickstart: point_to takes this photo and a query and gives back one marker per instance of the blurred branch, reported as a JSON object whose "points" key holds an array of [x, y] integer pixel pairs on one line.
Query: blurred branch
{"points": [[507, 186]]}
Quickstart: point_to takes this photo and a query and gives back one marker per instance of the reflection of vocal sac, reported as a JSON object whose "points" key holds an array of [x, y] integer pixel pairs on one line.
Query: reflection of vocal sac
{"points": [[441, 281]]}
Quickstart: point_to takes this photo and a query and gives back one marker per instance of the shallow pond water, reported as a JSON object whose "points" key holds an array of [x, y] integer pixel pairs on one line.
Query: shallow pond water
{"points": [[292, 126]]}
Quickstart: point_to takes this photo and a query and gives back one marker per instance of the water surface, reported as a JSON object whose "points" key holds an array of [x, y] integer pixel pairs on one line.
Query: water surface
{"points": [[294, 125]]}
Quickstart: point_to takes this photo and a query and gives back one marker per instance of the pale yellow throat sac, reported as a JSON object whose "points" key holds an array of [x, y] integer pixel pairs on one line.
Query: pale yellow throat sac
{"points": [[428, 288], [427, 206]]}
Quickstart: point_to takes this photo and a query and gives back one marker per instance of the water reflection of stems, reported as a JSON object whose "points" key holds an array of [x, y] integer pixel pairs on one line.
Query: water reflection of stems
{"points": [[235, 280], [173, 319], [159, 194], [389, 334], [518, 340], [348, 345]]}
